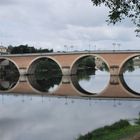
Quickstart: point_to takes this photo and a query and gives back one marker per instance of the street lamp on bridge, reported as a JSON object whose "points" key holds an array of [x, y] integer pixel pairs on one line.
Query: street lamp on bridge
{"points": [[67, 48], [116, 44]]}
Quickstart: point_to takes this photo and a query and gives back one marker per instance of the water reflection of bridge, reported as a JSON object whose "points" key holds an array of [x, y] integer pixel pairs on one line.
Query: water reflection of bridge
{"points": [[69, 87]]}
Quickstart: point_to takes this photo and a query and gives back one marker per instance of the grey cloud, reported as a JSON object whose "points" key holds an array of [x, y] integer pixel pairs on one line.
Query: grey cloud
{"points": [[7, 2], [54, 23]]}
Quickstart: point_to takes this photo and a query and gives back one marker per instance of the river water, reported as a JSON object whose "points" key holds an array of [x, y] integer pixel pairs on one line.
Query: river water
{"points": [[34, 118]]}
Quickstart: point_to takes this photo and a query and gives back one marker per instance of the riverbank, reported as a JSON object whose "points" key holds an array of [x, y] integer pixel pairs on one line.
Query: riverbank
{"points": [[134, 137], [121, 130]]}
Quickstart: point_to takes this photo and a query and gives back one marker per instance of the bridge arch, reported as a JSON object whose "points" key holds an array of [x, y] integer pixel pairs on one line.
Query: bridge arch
{"points": [[127, 89], [84, 90], [36, 87], [124, 82], [77, 87], [41, 85], [12, 88], [125, 61], [31, 67], [8, 85], [10, 60], [73, 66]]}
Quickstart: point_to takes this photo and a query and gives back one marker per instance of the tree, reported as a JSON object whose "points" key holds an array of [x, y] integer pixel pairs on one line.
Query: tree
{"points": [[21, 49], [121, 9]]}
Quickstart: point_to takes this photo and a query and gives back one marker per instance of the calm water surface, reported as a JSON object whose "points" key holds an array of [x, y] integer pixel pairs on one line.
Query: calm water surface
{"points": [[34, 118]]}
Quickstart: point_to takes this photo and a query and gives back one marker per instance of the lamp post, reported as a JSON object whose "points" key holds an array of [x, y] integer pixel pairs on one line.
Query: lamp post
{"points": [[66, 47], [114, 44], [95, 47], [71, 47], [89, 48], [118, 44]]}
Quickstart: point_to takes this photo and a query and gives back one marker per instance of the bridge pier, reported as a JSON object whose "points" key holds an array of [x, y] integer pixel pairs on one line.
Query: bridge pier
{"points": [[114, 80], [114, 70], [22, 78], [66, 79], [22, 71], [66, 71]]}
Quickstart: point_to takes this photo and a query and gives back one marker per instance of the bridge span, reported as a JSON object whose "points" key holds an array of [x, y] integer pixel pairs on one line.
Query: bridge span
{"points": [[67, 61]]}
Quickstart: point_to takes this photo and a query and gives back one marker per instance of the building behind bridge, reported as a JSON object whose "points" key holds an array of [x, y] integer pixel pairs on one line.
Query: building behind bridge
{"points": [[3, 50]]}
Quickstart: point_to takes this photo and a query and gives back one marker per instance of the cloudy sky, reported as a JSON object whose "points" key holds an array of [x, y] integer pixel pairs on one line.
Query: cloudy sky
{"points": [[53, 24]]}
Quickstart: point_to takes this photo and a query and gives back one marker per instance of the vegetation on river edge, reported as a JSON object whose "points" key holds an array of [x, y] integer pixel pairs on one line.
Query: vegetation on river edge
{"points": [[117, 131]]}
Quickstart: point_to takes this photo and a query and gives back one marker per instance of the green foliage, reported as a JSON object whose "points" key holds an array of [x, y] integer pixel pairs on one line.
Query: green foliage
{"points": [[87, 62], [137, 121], [85, 74], [117, 125], [21, 49], [87, 67], [47, 82], [121, 9], [129, 66], [115, 131], [47, 67], [104, 67]]}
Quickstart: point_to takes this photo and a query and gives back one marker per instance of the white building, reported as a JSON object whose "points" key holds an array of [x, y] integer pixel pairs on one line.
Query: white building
{"points": [[3, 50]]}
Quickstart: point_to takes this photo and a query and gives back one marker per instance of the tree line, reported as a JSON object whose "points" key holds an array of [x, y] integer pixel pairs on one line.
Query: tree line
{"points": [[21, 49]]}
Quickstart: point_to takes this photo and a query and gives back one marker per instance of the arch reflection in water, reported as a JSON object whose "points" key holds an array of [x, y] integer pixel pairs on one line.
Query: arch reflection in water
{"points": [[92, 75], [9, 75], [46, 84], [131, 75], [46, 75]]}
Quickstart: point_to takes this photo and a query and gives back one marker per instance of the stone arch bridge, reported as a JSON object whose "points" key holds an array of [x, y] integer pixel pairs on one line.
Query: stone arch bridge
{"points": [[67, 60]]}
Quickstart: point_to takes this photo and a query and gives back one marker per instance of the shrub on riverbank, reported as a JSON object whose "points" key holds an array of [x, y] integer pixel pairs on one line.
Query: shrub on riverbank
{"points": [[115, 131]]}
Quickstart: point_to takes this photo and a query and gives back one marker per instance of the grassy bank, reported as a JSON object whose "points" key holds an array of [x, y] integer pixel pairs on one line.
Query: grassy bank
{"points": [[116, 131]]}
